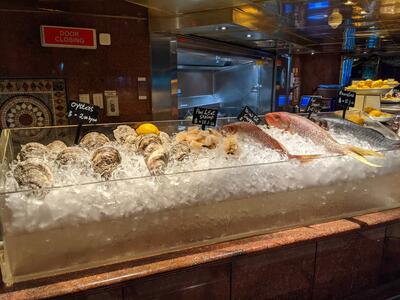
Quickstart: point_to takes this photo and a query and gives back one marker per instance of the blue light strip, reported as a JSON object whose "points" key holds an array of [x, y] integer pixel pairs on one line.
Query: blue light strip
{"points": [[318, 5], [347, 65]]}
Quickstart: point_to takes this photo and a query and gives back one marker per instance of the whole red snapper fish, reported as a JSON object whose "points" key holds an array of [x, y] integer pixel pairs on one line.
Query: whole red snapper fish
{"points": [[308, 129], [264, 138]]}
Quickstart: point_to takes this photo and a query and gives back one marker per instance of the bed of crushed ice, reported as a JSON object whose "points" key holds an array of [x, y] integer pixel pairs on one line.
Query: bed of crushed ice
{"points": [[209, 175]]}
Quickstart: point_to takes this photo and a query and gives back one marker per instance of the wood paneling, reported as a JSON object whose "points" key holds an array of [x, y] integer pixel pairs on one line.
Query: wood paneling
{"points": [[317, 69], [114, 67]]}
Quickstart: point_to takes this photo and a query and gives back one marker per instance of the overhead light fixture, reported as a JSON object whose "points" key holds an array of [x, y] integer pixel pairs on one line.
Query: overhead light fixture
{"points": [[363, 12], [312, 52], [249, 35], [335, 19], [349, 2], [223, 28]]}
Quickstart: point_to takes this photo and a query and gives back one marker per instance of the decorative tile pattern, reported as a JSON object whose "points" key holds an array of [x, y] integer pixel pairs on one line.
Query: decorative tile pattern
{"points": [[32, 103]]}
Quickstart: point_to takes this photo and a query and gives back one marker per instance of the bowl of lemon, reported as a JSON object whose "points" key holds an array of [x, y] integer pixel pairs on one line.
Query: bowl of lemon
{"points": [[371, 87]]}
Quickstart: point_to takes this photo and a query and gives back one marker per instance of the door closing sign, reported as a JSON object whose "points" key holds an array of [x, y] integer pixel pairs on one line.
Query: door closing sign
{"points": [[68, 37], [83, 112]]}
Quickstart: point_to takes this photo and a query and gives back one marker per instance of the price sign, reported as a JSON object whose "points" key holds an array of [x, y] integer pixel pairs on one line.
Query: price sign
{"points": [[247, 115], [314, 106], [83, 112], [346, 98], [205, 117]]}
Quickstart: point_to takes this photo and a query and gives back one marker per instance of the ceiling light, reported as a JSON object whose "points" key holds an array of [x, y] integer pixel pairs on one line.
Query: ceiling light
{"points": [[363, 12], [223, 28], [335, 19], [349, 2], [312, 52], [249, 35]]}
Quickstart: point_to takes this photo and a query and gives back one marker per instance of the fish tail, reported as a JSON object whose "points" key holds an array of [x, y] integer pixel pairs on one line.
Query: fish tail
{"points": [[304, 158], [362, 159], [364, 152]]}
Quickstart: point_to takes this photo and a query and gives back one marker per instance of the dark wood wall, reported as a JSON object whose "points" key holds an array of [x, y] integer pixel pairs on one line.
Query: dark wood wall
{"points": [[114, 67], [317, 69]]}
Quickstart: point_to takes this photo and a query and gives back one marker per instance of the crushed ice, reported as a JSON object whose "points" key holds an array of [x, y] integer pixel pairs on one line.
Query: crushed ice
{"points": [[209, 175]]}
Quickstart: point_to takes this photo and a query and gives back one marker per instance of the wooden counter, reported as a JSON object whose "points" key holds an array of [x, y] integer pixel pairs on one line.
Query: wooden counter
{"points": [[346, 258]]}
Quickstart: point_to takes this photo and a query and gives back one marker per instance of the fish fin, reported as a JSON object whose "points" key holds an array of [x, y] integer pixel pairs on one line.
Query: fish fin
{"points": [[362, 159], [364, 152], [304, 158]]}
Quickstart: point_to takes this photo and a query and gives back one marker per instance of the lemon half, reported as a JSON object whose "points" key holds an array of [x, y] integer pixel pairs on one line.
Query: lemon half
{"points": [[147, 128]]}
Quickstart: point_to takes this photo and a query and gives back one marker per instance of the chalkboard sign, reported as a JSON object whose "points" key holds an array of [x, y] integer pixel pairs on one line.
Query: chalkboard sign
{"points": [[83, 112], [346, 98], [314, 106], [247, 115], [205, 117]]}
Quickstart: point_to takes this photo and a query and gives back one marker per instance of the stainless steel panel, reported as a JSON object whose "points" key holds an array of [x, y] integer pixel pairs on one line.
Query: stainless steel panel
{"points": [[164, 76], [238, 87], [195, 83]]}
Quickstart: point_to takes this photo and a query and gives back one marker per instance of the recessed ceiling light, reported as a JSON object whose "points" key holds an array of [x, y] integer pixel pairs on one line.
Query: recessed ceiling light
{"points": [[223, 28], [312, 52], [249, 35]]}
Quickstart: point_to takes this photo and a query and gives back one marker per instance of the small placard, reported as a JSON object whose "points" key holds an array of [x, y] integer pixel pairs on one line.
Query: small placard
{"points": [[314, 106], [247, 115], [83, 112], [346, 98], [205, 116]]}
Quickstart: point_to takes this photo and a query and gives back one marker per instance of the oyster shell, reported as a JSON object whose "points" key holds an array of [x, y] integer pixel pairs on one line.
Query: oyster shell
{"points": [[180, 150], [33, 174], [71, 155], [33, 150], [56, 147], [165, 138], [143, 141], [122, 132], [157, 160], [105, 160], [93, 140]]}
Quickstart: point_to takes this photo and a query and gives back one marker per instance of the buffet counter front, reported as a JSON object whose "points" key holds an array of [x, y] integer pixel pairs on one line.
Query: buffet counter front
{"points": [[125, 195], [353, 258]]}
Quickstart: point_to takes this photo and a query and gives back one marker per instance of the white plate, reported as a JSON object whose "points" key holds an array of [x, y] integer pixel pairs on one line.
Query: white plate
{"points": [[382, 119], [372, 92]]}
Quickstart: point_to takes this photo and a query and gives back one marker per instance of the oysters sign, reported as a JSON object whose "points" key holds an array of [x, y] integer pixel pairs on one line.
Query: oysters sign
{"points": [[68, 37]]}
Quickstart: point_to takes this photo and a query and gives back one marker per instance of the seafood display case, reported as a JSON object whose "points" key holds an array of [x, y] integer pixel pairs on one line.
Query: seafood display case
{"points": [[124, 194]]}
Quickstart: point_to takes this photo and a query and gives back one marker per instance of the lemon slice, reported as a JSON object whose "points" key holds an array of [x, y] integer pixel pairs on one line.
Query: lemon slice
{"points": [[147, 128]]}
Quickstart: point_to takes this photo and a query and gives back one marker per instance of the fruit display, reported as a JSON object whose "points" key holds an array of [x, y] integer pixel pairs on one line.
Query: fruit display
{"points": [[372, 84]]}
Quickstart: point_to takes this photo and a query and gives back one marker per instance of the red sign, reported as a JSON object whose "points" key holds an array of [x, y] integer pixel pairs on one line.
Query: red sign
{"points": [[68, 37]]}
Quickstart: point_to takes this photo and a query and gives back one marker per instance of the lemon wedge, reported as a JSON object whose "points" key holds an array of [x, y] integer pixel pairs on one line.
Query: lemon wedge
{"points": [[147, 128]]}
